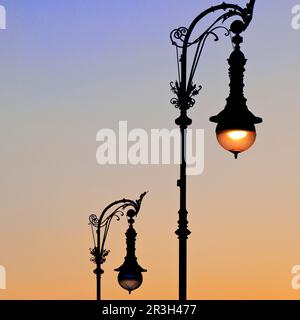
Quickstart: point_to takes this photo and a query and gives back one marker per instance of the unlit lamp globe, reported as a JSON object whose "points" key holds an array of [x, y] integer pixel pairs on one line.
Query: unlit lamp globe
{"points": [[130, 281], [236, 140]]}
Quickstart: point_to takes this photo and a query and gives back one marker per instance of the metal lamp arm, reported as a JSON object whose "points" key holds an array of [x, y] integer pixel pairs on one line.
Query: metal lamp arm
{"points": [[104, 222], [223, 6], [124, 203], [119, 211], [184, 35]]}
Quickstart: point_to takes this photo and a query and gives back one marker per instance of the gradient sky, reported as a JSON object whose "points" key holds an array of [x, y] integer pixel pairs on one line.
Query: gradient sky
{"points": [[68, 71]]}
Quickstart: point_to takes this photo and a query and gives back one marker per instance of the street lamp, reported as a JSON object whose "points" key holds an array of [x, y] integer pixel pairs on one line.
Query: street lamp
{"points": [[235, 124], [130, 273]]}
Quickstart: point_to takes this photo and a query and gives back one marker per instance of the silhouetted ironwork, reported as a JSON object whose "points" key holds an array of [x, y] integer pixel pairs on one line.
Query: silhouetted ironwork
{"points": [[116, 210], [236, 113], [130, 272], [185, 92]]}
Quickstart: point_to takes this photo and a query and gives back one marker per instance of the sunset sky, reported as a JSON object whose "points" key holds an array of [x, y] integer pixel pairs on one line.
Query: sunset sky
{"points": [[69, 70]]}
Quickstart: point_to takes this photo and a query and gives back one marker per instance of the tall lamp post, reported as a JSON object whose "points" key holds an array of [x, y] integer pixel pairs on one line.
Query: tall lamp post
{"points": [[130, 273], [235, 130]]}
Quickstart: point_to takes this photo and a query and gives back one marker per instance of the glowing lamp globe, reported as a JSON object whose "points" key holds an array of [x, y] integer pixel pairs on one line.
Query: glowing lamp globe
{"points": [[130, 273], [236, 139], [130, 280]]}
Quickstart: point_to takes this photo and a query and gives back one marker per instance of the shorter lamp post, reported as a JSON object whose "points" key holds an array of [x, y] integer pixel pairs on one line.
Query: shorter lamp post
{"points": [[130, 273]]}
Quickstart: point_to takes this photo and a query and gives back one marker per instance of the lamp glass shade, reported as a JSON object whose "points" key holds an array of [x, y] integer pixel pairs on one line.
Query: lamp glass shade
{"points": [[130, 281], [236, 140]]}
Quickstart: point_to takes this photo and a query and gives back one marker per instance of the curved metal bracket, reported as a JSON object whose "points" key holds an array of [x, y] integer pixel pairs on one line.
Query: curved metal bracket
{"points": [[184, 89], [116, 209]]}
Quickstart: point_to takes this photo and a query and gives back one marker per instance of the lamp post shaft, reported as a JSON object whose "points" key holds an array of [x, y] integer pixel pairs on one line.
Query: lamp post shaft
{"points": [[182, 230], [99, 287], [99, 271]]}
